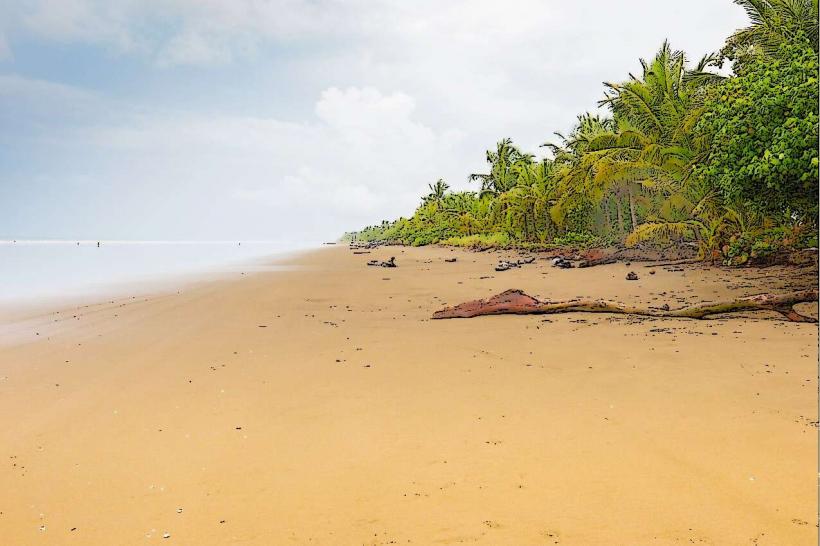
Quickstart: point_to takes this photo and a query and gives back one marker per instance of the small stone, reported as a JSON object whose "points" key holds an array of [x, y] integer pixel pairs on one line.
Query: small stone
{"points": [[166, 535], [632, 276]]}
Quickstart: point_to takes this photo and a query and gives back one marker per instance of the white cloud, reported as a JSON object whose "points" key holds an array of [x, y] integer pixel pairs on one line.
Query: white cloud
{"points": [[365, 158], [184, 31], [88, 21], [40, 91], [346, 147], [194, 48]]}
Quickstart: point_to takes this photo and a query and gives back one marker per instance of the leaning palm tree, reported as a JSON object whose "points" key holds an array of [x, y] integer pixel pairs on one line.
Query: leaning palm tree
{"points": [[651, 145]]}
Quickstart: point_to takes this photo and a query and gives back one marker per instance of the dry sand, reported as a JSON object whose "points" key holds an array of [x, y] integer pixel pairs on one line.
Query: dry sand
{"points": [[322, 406]]}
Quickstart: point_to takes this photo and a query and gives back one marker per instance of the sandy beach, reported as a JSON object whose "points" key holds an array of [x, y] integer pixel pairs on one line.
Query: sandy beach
{"points": [[321, 405]]}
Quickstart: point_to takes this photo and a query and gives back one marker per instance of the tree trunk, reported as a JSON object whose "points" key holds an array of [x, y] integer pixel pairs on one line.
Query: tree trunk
{"points": [[516, 302], [632, 208], [620, 217]]}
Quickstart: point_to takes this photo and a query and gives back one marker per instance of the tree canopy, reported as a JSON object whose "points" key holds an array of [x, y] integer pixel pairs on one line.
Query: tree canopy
{"points": [[678, 152]]}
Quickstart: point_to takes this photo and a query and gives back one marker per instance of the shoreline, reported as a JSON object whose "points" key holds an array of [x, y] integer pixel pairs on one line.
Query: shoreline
{"points": [[325, 405], [153, 285]]}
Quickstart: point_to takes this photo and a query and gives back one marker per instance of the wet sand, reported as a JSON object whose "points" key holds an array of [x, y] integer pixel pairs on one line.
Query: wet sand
{"points": [[321, 405]]}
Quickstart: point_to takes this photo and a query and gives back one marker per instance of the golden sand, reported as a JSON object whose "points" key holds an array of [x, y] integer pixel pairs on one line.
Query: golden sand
{"points": [[321, 405]]}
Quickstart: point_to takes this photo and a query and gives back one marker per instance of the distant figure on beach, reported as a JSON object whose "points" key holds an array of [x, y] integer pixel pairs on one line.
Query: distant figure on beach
{"points": [[98, 244]]}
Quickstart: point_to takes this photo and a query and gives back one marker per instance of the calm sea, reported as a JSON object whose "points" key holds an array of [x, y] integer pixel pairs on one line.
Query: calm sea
{"points": [[54, 271]]}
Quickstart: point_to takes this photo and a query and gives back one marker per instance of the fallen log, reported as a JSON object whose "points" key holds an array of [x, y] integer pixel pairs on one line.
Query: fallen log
{"points": [[516, 302], [599, 261]]}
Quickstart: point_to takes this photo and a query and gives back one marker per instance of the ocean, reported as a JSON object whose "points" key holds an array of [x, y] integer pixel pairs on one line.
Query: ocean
{"points": [[37, 272]]}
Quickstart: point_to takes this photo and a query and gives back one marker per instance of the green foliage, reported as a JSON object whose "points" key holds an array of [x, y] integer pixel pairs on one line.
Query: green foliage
{"points": [[579, 240], [774, 24], [483, 240], [762, 129], [762, 246], [682, 155]]}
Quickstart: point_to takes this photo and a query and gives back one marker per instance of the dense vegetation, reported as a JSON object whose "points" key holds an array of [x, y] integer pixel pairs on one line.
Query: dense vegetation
{"points": [[683, 154]]}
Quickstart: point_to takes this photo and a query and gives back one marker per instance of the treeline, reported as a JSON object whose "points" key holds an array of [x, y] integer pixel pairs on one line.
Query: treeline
{"points": [[683, 154]]}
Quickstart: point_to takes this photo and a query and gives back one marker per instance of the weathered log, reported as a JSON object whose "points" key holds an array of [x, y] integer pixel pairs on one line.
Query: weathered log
{"points": [[599, 261], [516, 302]]}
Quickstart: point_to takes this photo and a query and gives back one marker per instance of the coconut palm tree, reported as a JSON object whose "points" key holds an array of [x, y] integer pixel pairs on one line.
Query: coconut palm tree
{"points": [[437, 192], [650, 143], [773, 23], [502, 176]]}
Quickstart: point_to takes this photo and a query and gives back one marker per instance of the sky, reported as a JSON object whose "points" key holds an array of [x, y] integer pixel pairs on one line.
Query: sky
{"points": [[294, 119]]}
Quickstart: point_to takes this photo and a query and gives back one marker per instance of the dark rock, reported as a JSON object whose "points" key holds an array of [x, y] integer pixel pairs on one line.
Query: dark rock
{"points": [[558, 261]]}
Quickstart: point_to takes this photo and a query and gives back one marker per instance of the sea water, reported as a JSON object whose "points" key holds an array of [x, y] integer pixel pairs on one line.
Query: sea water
{"points": [[54, 271]]}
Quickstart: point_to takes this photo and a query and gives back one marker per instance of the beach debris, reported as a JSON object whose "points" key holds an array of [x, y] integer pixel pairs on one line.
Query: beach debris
{"points": [[450, 260], [598, 256], [166, 535], [516, 302], [389, 263], [632, 276], [364, 246], [504, 265], [561, 262]]}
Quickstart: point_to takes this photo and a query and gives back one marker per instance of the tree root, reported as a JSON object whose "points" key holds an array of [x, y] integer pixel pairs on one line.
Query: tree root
{"points": [[516, 302]]}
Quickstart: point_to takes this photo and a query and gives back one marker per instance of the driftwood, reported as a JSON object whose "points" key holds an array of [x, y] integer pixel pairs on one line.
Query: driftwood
{"points": [[599, 261], [389, 263], [599, 256], [516, 302], [504, 265]]}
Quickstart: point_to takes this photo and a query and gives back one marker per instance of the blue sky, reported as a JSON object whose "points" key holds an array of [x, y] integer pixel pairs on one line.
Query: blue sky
{"points": [[292, 119]]}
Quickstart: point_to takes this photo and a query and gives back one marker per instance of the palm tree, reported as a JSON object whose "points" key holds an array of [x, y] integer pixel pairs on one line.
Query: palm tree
{"points": [[773, 23], [648, 146], [502, 176], [437, 192]]}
